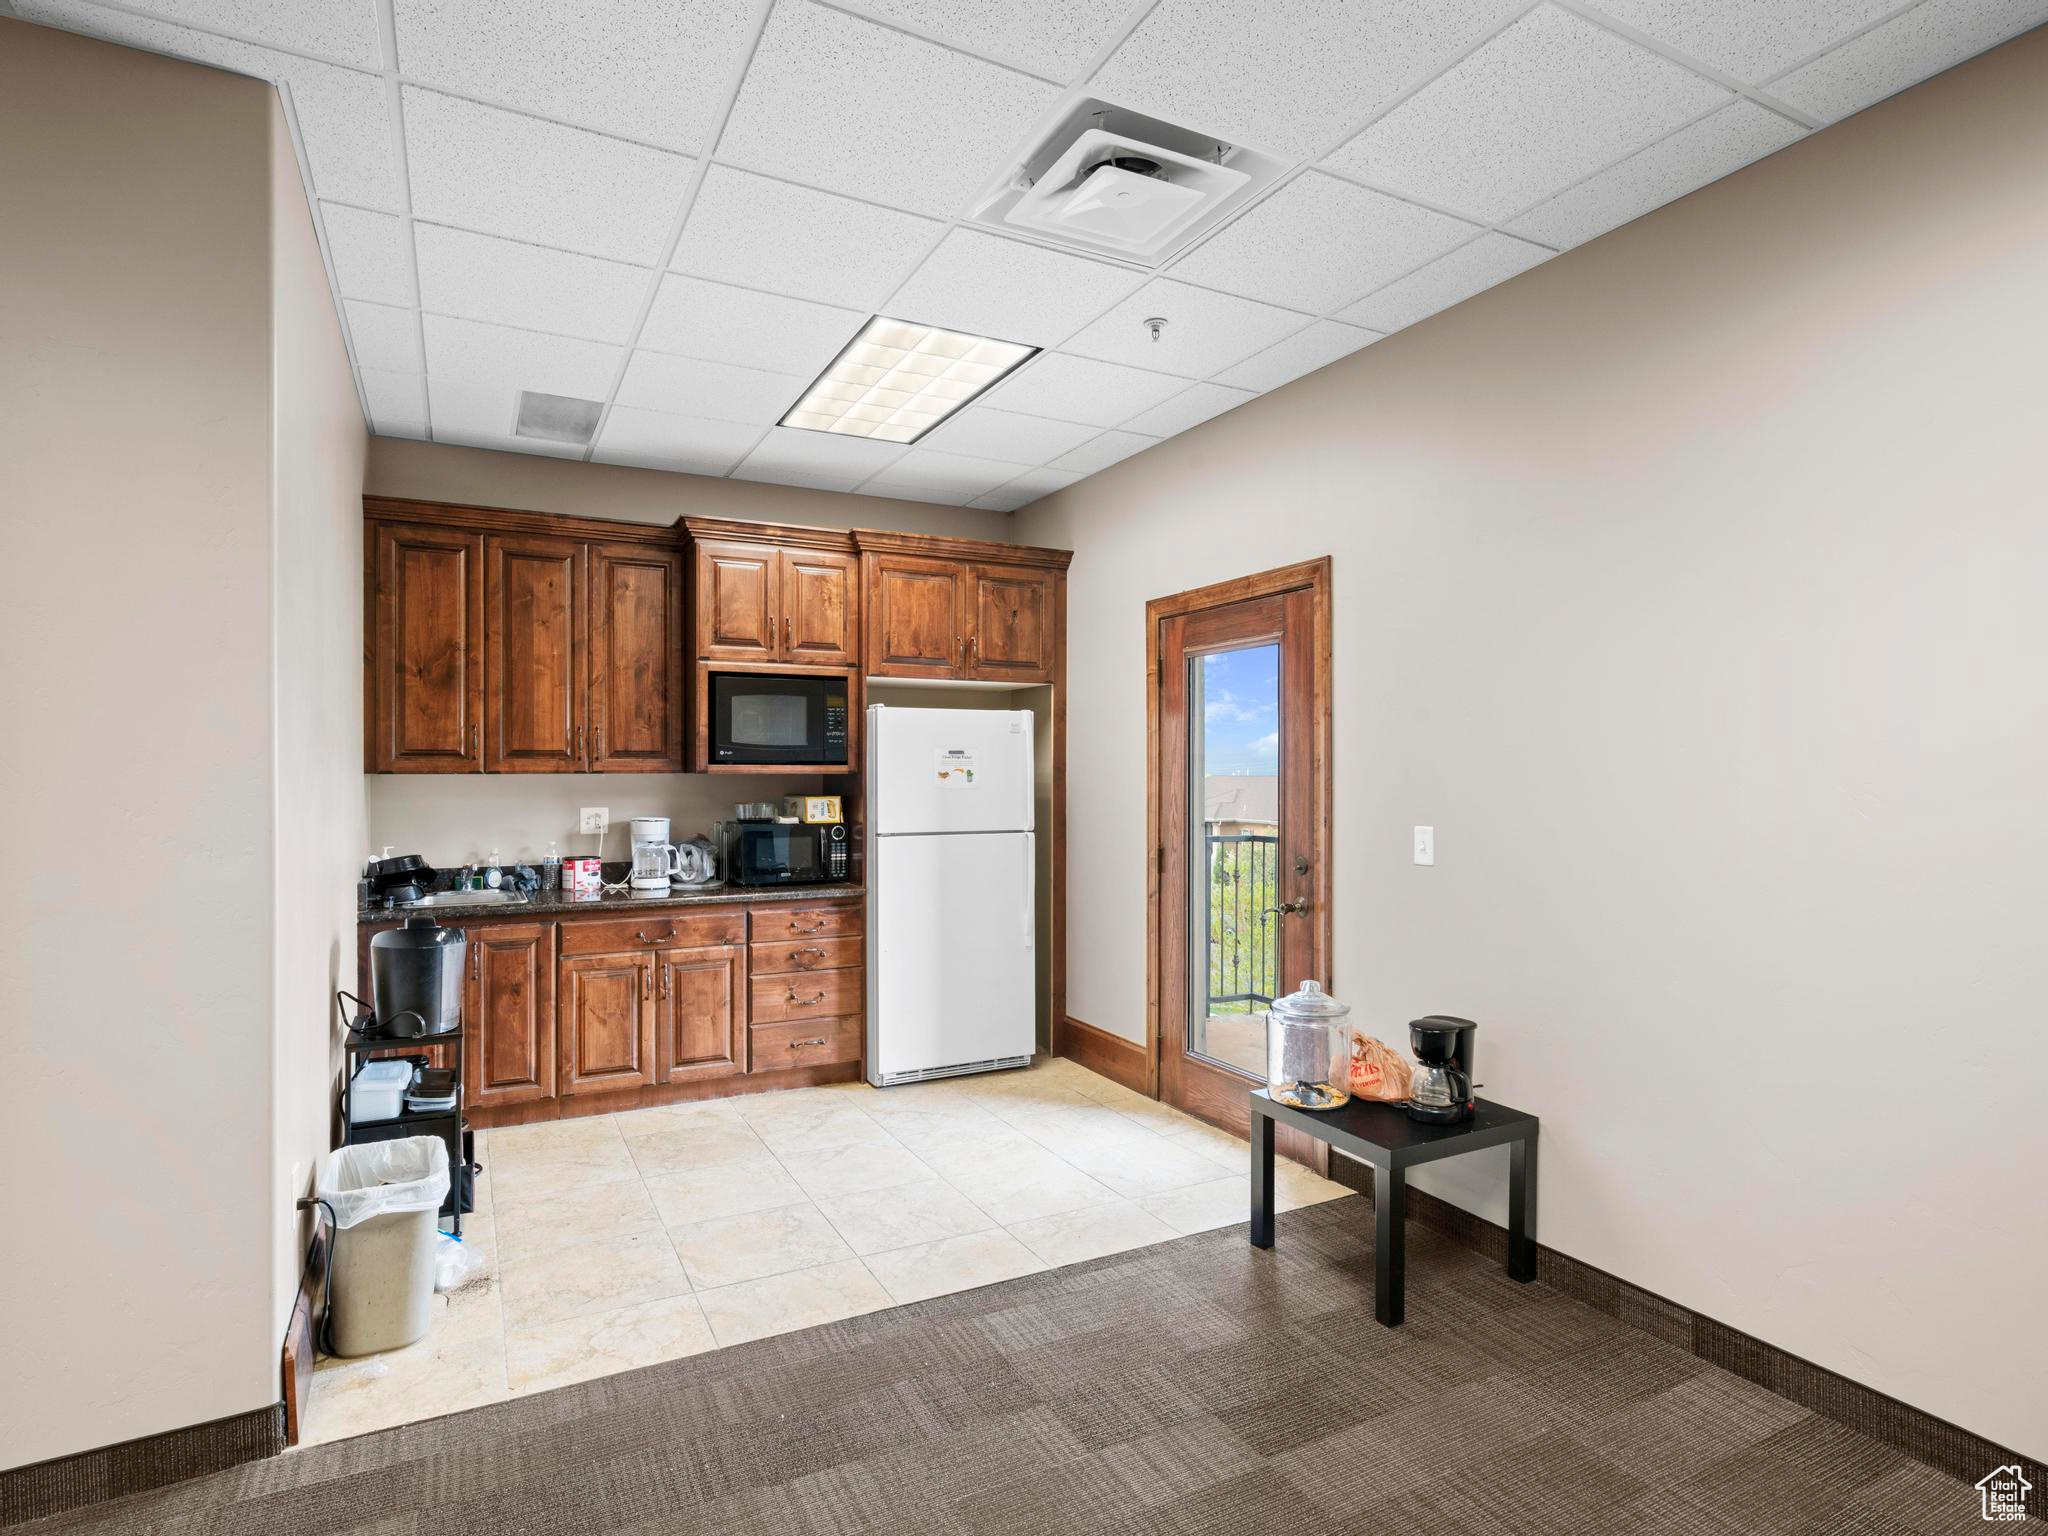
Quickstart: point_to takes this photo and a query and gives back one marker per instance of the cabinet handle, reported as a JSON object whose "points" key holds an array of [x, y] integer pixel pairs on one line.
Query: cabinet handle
{"points": [[476, 740], [960, 648], [798, 1045], [817, 927], [804, 1002], [658, 938], [476, 962], [974, 650], [809, 949], [788, 643], [664, 981]]}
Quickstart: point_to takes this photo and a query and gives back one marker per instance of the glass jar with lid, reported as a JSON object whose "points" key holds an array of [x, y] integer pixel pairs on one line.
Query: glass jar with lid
{"points": [[1308, 1049]]}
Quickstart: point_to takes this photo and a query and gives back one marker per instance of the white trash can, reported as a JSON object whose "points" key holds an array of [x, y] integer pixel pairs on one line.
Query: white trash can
{"points": [[385, 1196]]}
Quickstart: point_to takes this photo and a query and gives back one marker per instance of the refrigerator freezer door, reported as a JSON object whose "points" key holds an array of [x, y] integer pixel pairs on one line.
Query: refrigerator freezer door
{"points": [[950, 933], [949, 770]]}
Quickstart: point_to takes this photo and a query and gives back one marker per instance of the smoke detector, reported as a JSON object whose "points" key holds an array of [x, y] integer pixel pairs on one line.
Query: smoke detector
{"points": [[1119, 183]]}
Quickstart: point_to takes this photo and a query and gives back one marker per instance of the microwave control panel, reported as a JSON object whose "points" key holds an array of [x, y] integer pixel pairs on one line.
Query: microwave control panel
{"points": [[835, 853]]}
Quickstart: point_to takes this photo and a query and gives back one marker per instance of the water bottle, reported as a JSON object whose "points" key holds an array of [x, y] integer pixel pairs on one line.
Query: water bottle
{"points": [[551, 870]]}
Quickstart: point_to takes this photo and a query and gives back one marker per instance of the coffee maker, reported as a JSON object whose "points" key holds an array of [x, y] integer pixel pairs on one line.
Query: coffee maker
{"points": [[1442, 1091], [654, 858]]}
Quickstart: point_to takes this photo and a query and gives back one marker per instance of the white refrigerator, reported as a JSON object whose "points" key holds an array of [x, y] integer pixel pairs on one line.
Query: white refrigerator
{"points": [[952, 987]]}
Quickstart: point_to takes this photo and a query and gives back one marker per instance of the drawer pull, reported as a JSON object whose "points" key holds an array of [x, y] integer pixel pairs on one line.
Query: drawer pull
{"points": [[656, 938], [809, 949], [799, 1045], [804, 1002], [816, 927]]}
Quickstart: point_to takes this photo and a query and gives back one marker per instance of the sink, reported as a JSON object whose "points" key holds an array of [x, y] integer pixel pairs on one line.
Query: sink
{"points": [[471, 899]]}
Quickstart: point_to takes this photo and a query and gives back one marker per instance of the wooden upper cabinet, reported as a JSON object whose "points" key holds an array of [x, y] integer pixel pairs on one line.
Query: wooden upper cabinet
{"points": [[917, 616], [605, 1022], [508, 1013], [423, 696], [636, 659], [739, 596], [701, 1011], [817, 607], [533, 670], [1012, 634]]}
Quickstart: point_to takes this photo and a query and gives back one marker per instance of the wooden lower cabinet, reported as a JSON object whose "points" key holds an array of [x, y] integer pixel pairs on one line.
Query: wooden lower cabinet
{"points": [[605, 1021], [508, 1011], [700, 1011]]}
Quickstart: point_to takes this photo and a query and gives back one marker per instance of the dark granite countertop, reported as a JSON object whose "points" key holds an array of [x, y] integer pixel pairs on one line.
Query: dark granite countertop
{"points": [[610, 904]]}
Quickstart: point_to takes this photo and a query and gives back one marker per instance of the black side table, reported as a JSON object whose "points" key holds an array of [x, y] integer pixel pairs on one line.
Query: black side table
{"points": [[1383, 1135]]}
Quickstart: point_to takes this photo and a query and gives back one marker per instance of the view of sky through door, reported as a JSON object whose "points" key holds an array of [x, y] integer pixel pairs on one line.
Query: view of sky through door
{"points": [[1235, 756]]}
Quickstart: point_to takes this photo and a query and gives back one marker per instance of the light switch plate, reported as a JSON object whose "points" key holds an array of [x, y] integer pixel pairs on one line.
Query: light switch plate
{"points": [[1425, 845]]}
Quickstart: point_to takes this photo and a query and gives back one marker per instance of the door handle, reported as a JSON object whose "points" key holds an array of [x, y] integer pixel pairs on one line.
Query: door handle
{"points": [[1289, 908]]}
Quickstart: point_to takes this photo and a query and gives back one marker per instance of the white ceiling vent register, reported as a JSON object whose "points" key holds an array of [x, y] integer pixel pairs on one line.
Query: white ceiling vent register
{"points": [[556, 418], [1119, 183]]}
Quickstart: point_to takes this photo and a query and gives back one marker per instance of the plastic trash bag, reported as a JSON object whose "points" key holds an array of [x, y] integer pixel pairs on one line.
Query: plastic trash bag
{"points": [[383, 1178], [455, 1262]]}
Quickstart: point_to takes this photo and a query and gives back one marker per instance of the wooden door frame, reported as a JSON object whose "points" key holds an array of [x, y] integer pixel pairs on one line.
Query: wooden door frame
{"points": [[1312, 576]]}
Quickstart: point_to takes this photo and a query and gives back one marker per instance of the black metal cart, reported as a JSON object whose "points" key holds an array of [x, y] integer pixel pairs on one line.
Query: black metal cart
{"points": [[448, 1124]]}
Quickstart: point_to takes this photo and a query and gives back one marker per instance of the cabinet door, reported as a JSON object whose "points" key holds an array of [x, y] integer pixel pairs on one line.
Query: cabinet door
{"points": [[636, 659], [1011, 637], [738, 602], [914, 610], [701, 997], [425, 687], [508, 1015], [605, 1022], [533, 673], [818, 609]]}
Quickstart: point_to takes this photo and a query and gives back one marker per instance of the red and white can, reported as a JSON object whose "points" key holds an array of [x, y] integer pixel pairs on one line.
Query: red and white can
{"points": [[582, 878]]}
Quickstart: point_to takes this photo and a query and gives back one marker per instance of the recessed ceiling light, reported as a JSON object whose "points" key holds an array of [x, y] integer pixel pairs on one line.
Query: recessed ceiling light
{"points": [[896, 381]]}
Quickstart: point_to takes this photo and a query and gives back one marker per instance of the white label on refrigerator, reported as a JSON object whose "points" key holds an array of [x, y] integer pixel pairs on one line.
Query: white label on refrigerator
{"points": [[956, 768]]}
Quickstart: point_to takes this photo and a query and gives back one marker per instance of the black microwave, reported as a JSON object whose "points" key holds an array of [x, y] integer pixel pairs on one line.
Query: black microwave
{"points": [[785, 853], [759, 717]]}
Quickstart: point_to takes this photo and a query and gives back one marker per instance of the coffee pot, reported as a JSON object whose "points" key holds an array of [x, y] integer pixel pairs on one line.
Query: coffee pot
{"points": [[1441, 1093]]}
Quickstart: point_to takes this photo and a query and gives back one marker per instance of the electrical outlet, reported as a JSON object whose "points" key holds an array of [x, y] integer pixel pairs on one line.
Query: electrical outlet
{"points": [[1425, 845], [597, 818]]}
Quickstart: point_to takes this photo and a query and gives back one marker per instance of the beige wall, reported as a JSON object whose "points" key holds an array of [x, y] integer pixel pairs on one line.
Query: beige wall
{"points": [[135, 572], [318, 440], [453, 818], [1691, 586]]}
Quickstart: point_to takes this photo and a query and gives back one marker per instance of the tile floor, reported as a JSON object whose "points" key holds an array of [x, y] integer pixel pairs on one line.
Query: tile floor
{"points": [[619, 1241]]}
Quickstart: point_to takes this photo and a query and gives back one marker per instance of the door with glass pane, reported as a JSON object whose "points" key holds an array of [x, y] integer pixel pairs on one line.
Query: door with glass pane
{"points": [[1240, 807]]}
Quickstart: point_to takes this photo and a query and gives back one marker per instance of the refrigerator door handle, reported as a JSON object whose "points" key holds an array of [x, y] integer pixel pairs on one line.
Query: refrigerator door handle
{"points": [[1030, 889]]}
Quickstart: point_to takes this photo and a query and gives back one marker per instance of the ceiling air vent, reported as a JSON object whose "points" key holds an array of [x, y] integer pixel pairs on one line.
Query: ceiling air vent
{"points": [[557, 418], [1119, 183]]}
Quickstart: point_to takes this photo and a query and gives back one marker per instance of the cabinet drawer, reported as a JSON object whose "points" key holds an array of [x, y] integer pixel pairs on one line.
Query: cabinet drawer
{"points": [[788, 956], [813, 995], [818, 1043], [827, 919], [654, 930]]}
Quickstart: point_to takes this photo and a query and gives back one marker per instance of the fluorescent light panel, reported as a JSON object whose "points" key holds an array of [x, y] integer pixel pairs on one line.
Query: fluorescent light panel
{"points": [[896, 381]]}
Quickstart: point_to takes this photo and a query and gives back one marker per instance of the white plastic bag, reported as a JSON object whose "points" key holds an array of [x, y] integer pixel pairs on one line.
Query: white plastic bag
{"points": [[381, 1178], [455, 1263]]}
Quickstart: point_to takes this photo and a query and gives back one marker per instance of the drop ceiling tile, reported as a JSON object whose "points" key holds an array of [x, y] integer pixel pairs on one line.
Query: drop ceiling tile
{"points": [[1205, 331], [1102, 452], [481, 416], [1551, 99], [526, 179], [824, 460], [693, 386], [1319, 242], [756, 330], [1449, 280], [997, 501], [1081, 389], [1025, 489], [1749, 39], [657, 70], [342, 30], [858, 108], [508, 444], [399, 396], [658, 440], [1924, 41], [1288, 76], [371, 254], [344, 121], [384, 337], [1190, 408], [1303, 352], [926, 471], [1055, 38], [481, 277], [796, 240], [416, 430], [469, 351], [1701, 152], [984, 432], [1008, 290]]}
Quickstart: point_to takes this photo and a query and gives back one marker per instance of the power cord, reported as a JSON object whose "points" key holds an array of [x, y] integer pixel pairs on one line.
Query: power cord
{"points": [[323, 1336]]}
